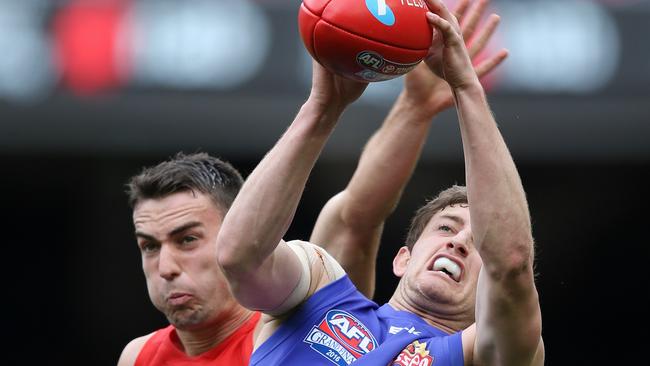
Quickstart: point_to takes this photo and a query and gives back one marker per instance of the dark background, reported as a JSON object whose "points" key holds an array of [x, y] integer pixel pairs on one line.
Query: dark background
{"points": [[73, 286]]}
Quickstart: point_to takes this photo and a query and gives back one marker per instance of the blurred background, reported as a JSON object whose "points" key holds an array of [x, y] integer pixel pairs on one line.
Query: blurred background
{"points": [[91, 91]]}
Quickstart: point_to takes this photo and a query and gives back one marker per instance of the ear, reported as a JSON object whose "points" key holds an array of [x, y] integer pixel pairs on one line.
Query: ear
{"points": [[401, 261]]}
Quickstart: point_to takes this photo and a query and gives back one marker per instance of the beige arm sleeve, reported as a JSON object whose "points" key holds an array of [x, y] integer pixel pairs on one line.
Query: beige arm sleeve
{"points": [[308, 254]]}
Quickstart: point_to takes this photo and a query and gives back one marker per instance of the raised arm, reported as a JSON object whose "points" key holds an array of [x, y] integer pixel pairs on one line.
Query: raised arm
{"points": [[350, 225], [508, 317], [261, 269]]}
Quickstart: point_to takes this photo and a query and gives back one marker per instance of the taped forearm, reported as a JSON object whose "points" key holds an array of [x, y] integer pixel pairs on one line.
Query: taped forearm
{"points": [[309, 256]]}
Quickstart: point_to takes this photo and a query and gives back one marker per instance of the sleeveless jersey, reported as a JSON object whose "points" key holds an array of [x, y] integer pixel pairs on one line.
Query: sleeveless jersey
{"points": [[338, 325], [162, 348]]}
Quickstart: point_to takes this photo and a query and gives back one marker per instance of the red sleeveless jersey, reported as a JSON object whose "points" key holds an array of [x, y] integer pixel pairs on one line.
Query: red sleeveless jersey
{"points": [[161, 349]]}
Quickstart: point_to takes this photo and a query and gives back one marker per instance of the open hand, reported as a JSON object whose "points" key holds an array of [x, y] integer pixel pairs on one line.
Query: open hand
{"points": [[431, 93], [453, 60]]}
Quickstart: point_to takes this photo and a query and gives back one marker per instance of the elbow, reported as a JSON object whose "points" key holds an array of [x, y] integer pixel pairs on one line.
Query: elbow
{"points": [[519, 260], [512, 264], [228, 257], [237, 256], [360, 212]]}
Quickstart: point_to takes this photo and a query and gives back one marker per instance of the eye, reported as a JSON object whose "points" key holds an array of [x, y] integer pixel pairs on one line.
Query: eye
{"points": [[149, 247], [188, 240], [444, 228]]}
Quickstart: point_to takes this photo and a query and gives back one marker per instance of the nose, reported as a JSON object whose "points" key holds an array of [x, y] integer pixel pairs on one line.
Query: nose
{"points": [[460, 242], [458, 247], [168, 267]]}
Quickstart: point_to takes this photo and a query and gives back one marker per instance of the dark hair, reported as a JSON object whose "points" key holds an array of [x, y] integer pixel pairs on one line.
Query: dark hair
{"points": [[195, 172], [449, 197]]}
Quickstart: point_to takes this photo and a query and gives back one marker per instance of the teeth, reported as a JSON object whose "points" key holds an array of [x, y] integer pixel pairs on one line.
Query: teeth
{"points": [[449, 266]]}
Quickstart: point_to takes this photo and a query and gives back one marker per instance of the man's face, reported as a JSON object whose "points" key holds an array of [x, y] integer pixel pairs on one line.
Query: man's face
{"points": [[177, 236], [441, 271]]}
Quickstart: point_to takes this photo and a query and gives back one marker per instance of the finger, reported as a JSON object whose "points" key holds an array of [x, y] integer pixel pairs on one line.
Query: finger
{"points": [[450, 34], [484, 35], [489, 64], [473, 18], [440, 9], [460, 10]]}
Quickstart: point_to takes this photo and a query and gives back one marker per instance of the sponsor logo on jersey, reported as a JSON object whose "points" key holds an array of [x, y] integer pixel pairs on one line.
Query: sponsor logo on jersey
{"points": [[341, 338], [378, 68], [395, 330], [415, 354]]}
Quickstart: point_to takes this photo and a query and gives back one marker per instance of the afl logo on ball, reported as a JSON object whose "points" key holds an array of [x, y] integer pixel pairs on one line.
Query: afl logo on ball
{"points": [[370, 60], [381, 69]]}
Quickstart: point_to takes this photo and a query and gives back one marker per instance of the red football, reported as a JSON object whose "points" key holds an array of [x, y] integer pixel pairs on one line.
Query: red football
{"points": [[366, 40]]}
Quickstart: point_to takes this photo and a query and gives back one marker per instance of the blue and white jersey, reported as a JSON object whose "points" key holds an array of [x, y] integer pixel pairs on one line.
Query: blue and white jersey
{"points": [[338, 325]]}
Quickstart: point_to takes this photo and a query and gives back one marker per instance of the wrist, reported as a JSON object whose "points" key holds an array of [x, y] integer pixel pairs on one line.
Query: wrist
{"points": [[326, 107], [325, 115], [472, 89], [414, 109]]}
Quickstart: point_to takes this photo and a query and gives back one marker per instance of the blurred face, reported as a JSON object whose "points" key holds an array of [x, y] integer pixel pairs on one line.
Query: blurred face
{"points": [[177, 236], [440, 273]]}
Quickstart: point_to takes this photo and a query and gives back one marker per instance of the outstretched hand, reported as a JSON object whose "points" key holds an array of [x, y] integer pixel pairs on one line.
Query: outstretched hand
{"points": [[430, 92], [333, 92], [453, 60]]}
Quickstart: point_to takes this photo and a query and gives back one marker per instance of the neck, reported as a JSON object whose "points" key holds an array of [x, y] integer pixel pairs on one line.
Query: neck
{"points": [[201, 339], [435, 315]]}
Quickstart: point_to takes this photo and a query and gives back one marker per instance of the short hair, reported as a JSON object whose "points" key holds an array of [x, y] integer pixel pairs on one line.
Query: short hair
{"points": [[198, 172], [449, 197]]}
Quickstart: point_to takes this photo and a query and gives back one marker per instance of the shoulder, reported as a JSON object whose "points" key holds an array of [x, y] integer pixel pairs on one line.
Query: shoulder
{"points": [[132, 350]]}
